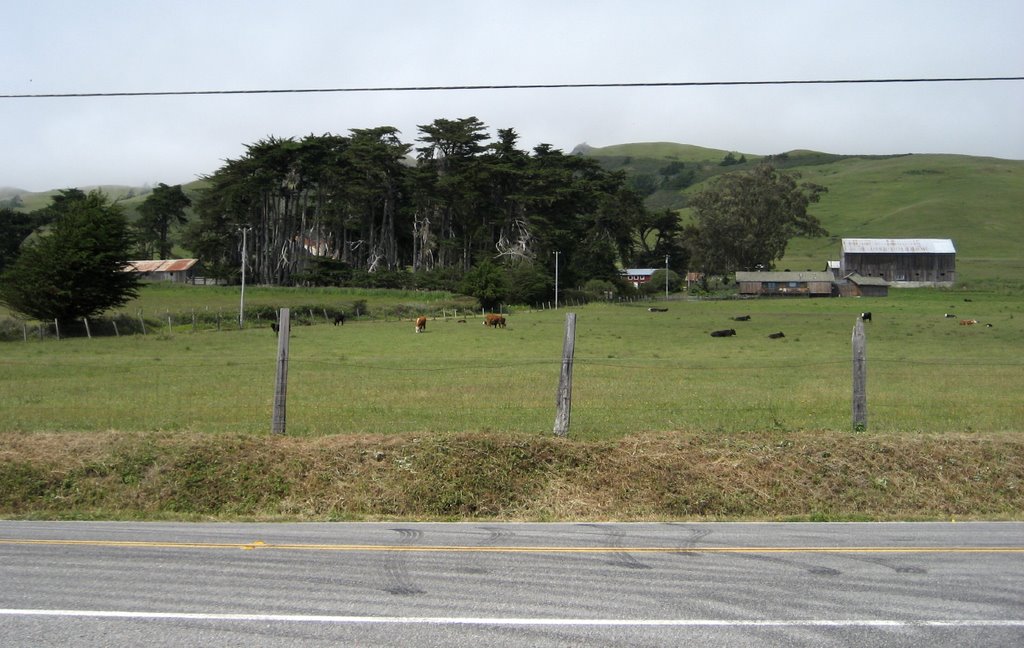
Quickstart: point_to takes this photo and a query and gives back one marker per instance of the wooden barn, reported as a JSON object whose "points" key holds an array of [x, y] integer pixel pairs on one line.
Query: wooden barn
{"points": [[794, 284], [906, 263]]}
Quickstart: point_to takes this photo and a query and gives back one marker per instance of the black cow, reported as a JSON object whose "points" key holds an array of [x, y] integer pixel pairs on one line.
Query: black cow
{"points": [[866, 316], [950, 315], [275, 326], [776, 336], [723, 333], [652, 309], [339, 319], [741, 318]]}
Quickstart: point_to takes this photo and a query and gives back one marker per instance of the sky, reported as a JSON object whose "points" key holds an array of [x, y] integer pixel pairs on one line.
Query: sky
{"points": [[143, 46]]}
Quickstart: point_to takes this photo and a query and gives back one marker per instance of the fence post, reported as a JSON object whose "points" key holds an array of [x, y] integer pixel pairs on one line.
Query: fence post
{"points": [[860, 378], [88, 333], [563, 400], [56, 327], [277, 425]]}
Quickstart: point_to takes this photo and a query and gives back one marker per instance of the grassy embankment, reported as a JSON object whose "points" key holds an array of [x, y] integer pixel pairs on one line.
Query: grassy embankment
{"points": [[667, 421]]}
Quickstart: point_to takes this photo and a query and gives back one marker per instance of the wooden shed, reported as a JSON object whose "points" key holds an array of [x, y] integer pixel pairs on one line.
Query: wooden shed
{"points": [[176, 270], [901, 262], [795, 284], [859, 286]]}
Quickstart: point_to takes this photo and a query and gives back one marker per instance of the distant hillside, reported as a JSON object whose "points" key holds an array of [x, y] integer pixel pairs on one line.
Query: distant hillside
{"points": [[975, 201]]}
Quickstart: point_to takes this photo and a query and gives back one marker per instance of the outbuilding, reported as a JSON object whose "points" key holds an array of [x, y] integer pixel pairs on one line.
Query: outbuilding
{"points": [[905, 263], [793, 284], [175, 270], [637, 276], [859, 286]]}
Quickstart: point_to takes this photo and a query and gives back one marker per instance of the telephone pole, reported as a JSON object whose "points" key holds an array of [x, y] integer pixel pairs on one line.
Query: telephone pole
{"points": [[241, 305]]}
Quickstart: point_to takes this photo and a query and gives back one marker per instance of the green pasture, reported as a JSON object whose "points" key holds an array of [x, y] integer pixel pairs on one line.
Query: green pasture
{"points": [[634, 371]]}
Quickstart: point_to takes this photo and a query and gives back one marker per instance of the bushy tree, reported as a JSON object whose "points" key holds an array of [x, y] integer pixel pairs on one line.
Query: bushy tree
{"points": [[77, 268], [487, 283], [745, 220]]}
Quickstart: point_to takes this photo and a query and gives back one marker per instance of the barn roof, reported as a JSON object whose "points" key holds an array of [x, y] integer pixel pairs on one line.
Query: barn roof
{"points": [[861, 280], [638, 271], [163, 265], [898, 246], [785, 276]]}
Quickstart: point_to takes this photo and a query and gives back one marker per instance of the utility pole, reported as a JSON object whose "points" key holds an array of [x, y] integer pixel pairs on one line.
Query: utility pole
{"points": [[241, 305], [556, 279], [666, 276]]}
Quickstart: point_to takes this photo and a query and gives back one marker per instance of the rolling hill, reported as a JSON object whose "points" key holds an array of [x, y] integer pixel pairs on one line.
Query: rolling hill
{"points": [[975, 201]]}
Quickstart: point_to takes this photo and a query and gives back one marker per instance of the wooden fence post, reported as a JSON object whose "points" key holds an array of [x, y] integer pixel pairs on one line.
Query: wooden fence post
{"points": [[277, 425], [88, 333], [860, 378], [563, 400]]}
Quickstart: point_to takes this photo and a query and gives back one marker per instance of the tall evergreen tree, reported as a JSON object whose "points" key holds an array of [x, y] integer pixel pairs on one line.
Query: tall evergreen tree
{"points": [[76, 269], [161, 210]]}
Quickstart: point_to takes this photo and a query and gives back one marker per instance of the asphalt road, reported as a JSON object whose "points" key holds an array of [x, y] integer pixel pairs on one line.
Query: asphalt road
{"points": [[491, 584]]}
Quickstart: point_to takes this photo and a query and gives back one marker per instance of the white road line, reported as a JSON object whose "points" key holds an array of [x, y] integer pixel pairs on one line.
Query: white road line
{"points": [[499, 621]]}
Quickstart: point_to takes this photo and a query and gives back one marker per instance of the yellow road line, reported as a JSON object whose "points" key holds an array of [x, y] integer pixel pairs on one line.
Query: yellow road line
{"points": [[504, 549]]}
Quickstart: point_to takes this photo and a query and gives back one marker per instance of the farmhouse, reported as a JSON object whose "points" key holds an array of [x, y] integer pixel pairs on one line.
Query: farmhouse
{"points": [[906, 263], [797, 284], [176, 270], [637, 276]]}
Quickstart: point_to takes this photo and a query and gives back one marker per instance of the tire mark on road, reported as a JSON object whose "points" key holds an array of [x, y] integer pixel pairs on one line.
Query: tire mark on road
{"points": [[614, 538], [396, 567]]}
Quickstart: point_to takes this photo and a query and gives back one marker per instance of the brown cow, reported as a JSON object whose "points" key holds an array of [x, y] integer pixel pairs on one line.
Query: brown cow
{"points": [[968, 322], [421, 324], [495, 320]]}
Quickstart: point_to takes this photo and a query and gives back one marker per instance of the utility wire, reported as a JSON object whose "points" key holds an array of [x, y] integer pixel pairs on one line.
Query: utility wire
{"points": [[534, 86]]}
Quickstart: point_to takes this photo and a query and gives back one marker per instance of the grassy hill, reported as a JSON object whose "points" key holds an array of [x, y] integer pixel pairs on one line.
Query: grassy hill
{"points": [[974, 201]]}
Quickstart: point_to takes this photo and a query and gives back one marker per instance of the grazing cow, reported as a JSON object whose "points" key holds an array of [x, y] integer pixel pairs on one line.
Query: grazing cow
{"points": [[866, 316], [741, 318], [495, 320], [950, 315], [652, 309], [339, 319], [988, 326], [969, 322], [275, 327], [776, 336], [723, 333], [421, 324]]}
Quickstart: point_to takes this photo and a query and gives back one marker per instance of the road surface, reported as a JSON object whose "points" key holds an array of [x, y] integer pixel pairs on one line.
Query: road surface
{"points": [[505, 584]]}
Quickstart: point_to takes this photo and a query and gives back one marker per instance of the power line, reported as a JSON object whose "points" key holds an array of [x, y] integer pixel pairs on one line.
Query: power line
{"points": [[532, 86]]}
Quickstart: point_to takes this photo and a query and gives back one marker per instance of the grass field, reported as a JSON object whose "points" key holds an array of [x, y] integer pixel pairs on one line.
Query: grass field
{"points": [[634, 371]]}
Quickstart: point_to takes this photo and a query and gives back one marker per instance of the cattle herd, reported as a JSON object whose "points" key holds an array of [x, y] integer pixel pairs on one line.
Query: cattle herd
{"points": [[496, 321]]}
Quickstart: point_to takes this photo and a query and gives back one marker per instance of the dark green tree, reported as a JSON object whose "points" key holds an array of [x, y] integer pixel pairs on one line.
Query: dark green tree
{"points": [[77, 268], [487, 282], [15, 227], [745, 220], [160, 210]]}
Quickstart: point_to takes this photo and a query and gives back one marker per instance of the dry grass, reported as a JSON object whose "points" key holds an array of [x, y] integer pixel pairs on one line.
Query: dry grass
{"points": [[679, 476]]}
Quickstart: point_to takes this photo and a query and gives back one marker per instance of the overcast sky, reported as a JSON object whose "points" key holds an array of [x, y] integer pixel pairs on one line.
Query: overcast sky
{"points": [[108, 46]]}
